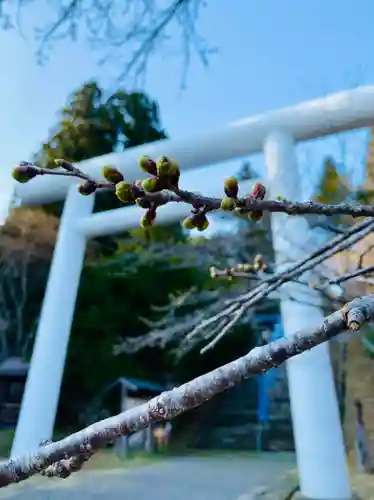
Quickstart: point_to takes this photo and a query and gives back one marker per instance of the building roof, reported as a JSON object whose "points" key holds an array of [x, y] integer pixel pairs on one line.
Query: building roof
{"points": [[134, 384], [143, 385], [13, 366]]}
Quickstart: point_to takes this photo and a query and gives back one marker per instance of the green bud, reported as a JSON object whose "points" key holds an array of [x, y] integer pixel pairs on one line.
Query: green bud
{"points": [[150, 185], [147, 165], [174, 173], [164, 166], [202, 222], [227, 204], [87, 188], [146, 222], [203, 226], [111, 174], [213, 272], [24, 173], [124, 192], [258, 262], [256, 215], [189, 223], [148, 219], [231, 187], [239, 211]]}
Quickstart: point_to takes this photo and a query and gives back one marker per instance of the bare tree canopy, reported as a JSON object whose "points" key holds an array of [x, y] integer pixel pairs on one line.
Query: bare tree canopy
{"points": [[125, 32]]}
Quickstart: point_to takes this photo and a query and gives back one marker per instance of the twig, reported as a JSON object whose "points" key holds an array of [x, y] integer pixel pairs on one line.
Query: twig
{"points": [[346, 277]]}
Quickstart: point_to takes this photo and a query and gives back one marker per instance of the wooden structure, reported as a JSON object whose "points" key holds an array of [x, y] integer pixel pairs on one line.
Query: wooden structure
{"points": [[131, 392]]}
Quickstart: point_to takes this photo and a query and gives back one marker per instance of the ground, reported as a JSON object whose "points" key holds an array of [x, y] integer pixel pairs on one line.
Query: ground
{"points": [[201, 477]]}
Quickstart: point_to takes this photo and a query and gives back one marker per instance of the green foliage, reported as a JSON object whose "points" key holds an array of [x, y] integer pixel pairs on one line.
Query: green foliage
{"points": [[109, 308], [94, 123], [333, 187], [365, 196]]}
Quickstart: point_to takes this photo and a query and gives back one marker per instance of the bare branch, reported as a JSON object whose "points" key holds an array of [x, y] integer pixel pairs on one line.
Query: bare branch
{"points": [[172, 403], [164, 190], [123, 33]]}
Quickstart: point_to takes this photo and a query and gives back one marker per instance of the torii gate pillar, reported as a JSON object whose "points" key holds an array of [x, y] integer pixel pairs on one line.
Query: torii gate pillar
{"points": [[41, 395]]}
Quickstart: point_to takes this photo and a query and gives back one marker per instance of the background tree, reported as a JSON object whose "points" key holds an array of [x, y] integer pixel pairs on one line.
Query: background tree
{"points": [[26, 245], [95, 123]]}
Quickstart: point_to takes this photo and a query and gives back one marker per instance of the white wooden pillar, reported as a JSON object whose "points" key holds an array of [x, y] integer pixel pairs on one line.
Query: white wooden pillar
{"points": [[317, 428], [41, 395]]}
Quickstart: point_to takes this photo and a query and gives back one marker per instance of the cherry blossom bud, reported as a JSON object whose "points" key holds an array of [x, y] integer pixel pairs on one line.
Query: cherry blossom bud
{"points": [[174, 174], [24, 173], [258, 262], [111, 174], [202, 222], [164, 166], [148, 219], [150, 185], [124, 192], [227, 204], [147, 165], [189, 223], [87, 188], [258, 191], [256, 215], [231, 187]]}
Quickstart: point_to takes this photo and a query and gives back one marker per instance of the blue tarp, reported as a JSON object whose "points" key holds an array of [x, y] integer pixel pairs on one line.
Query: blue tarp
{"points": [[266, 382]]}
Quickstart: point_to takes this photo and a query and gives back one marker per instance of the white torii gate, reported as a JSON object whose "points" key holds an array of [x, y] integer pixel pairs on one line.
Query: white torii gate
{"points": [[317, 428]]}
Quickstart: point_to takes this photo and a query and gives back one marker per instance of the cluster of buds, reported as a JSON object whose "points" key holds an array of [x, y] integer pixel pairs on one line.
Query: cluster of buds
{"points": [[125, 191], [231, 202], [164, 174], [197, 220], [257, 265]]}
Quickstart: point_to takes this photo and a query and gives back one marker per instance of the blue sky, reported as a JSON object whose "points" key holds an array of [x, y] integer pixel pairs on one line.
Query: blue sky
{"points": [[271, 54]]}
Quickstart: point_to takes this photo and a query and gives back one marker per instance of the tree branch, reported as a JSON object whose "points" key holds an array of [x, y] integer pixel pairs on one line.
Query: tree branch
{"points": [[169, 404], [157, 196]]}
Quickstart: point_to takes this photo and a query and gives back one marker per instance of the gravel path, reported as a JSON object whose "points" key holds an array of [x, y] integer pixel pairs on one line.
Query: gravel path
{"points": [[223, 477]]}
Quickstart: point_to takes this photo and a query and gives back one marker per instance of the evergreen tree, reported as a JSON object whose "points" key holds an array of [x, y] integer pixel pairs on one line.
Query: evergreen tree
{"points": [[94, 123]]}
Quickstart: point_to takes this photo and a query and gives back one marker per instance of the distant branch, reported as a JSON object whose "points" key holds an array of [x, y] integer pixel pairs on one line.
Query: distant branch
{"points": [[126, 33]]}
